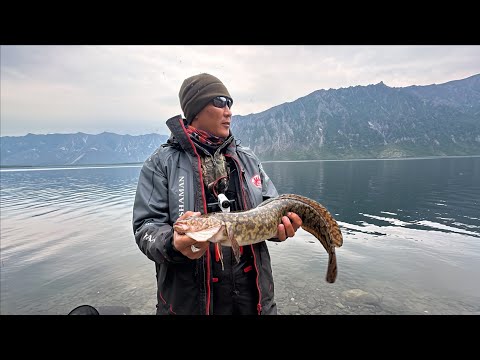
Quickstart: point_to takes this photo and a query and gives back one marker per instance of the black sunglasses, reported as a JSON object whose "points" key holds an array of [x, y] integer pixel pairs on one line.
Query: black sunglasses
{"points": [[221, 101]]}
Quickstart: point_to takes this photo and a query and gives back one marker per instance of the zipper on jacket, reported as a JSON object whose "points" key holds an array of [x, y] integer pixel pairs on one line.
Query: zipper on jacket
{"points": [[242, 172], [240, 178]]}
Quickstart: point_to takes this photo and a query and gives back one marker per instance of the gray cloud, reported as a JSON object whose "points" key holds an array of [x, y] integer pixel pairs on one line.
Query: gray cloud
{"points": [[134, 89]]}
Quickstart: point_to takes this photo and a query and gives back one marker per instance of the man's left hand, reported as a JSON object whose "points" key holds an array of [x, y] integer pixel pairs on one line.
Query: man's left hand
{"points": [[289, 226]]}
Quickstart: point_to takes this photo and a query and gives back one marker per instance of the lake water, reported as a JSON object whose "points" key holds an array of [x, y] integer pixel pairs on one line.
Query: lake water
{"points": [[411, 239]]}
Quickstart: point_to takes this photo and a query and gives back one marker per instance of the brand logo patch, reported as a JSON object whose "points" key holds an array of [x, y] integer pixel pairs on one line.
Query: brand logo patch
{"points": [[256, 181], [181, 195]]}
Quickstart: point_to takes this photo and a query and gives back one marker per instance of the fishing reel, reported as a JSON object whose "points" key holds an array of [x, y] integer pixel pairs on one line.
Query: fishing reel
{"points": [[223, 203]]}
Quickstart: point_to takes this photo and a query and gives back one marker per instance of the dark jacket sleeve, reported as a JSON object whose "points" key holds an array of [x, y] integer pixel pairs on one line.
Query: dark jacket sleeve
{"points": [[151, 221]]}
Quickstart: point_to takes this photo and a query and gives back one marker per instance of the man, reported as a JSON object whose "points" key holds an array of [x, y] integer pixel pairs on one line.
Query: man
{"points": [[200, 163]]}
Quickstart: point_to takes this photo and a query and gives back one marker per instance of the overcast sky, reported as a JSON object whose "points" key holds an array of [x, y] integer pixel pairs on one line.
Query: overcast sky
{"points": [[134, 89]]}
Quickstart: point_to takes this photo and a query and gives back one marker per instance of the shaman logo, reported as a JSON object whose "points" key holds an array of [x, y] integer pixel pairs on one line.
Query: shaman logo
{"points": [[181, 195], [256, 181], [149, 238]]}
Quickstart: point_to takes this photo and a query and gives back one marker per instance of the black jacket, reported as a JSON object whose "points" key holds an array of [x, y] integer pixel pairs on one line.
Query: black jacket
{"points": [[170, 184]]}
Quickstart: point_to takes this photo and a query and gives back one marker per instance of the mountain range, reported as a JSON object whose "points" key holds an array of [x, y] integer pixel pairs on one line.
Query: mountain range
{"points": [[374, 121], [77, 149]]}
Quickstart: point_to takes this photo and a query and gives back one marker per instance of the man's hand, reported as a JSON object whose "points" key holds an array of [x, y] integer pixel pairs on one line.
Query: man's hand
{"points": [[183, 243], [289, 226]]}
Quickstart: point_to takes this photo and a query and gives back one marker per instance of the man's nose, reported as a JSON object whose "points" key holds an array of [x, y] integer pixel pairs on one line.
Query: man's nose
{"points": [[227, 111]]}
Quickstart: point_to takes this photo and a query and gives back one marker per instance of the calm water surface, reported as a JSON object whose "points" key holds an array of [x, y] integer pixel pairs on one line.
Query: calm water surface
{"points": [[411, 239]]}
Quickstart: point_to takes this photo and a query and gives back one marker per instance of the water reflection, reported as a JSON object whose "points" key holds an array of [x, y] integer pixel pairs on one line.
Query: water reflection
{"points": [[411, 230]]}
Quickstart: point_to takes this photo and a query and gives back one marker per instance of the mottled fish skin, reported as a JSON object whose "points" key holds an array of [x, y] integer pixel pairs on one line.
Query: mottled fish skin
{"points": [[261, 223]]}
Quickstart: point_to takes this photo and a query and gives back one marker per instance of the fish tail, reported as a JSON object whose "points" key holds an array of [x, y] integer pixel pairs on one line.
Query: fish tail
{"points": [[332, 267]]}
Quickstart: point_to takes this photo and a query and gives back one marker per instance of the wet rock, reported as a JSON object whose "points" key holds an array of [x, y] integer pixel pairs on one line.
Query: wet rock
{"points": [[360, 296]]}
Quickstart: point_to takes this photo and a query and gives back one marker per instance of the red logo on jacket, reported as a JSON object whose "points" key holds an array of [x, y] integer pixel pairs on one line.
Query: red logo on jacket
{"points": [[256, 181]]}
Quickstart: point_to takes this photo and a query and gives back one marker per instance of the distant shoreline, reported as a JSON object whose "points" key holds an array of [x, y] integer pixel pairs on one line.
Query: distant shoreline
{"points": [[67, 167], [371, 159], [138, 164]]}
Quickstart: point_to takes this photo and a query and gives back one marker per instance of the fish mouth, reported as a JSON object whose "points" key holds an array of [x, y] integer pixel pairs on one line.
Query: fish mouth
{"points": [[181, 227]]}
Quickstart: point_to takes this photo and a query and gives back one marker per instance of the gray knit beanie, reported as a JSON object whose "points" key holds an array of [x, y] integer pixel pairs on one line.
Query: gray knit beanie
{"points": [[197, 91]]}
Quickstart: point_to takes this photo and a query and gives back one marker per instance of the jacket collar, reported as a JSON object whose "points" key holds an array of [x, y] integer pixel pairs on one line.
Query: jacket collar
{"points": [[179, 136]]}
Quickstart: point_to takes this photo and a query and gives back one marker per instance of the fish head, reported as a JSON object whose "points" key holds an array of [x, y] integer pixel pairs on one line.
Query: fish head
{"points": [[203, 224]]}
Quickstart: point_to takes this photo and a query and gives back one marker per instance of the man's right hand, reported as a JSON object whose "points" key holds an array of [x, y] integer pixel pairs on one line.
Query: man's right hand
{"points": [[183, 243]]}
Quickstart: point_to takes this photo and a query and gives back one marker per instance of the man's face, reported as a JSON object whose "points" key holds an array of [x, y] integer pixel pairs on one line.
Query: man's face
{"points": [[215, 120]]}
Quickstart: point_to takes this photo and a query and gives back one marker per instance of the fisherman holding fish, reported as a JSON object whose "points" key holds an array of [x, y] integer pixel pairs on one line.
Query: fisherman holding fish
{"points": [[203, 169]]}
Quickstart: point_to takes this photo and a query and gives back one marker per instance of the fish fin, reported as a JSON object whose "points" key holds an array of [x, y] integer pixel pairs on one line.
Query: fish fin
{"points": [[220, 254], [204, 235], [332, 267], [233, 242]]}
